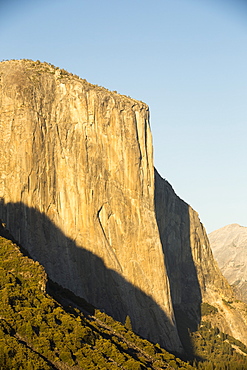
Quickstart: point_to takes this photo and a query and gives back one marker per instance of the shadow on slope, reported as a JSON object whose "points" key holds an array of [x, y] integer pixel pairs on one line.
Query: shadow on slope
{"points": [[85, 274], [172, 215]]}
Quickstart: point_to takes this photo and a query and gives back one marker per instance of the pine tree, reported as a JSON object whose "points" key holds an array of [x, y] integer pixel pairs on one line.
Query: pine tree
{"points": [[128, 324]]}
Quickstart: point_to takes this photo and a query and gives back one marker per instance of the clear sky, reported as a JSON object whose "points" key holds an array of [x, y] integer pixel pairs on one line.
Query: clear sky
{"points": [[187, 59]]}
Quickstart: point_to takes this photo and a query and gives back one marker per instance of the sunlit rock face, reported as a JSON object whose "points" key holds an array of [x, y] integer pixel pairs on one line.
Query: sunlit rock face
{"points": [[229, 245], [77, 191]]}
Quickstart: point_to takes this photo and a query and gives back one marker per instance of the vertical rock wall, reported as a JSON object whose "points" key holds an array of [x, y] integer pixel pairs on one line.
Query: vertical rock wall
{"points": [[77, 191]]}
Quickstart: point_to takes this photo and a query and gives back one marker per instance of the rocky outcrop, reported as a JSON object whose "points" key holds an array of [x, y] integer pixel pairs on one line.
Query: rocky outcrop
{"points": [[194, 275], [77, 190], [229, 246]]}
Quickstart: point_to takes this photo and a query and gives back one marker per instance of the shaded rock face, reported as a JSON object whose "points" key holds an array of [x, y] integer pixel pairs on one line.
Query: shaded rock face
{"points": [[173, 219], [77, 191], [193, 273], [229, 246], [186, 245]]}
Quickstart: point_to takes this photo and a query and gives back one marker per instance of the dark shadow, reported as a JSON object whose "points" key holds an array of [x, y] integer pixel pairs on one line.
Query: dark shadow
{"points": [[85, 274], [66, 297], [172, 215]]}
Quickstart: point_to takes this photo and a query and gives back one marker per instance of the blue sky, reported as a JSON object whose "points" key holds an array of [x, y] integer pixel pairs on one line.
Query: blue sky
{"points": [[187, 59]]}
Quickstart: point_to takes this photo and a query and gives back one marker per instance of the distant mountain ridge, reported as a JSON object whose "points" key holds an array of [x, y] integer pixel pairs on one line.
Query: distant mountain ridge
{"points": [[229, 245]]}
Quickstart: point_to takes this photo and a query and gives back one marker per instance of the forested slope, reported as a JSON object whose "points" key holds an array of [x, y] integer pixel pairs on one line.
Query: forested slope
{"points": [[38, 332]]}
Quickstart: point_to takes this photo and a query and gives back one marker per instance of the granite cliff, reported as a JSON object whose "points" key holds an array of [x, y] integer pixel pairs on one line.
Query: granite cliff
{"points": [[77, 180], [229, 246], [77, 189]]}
